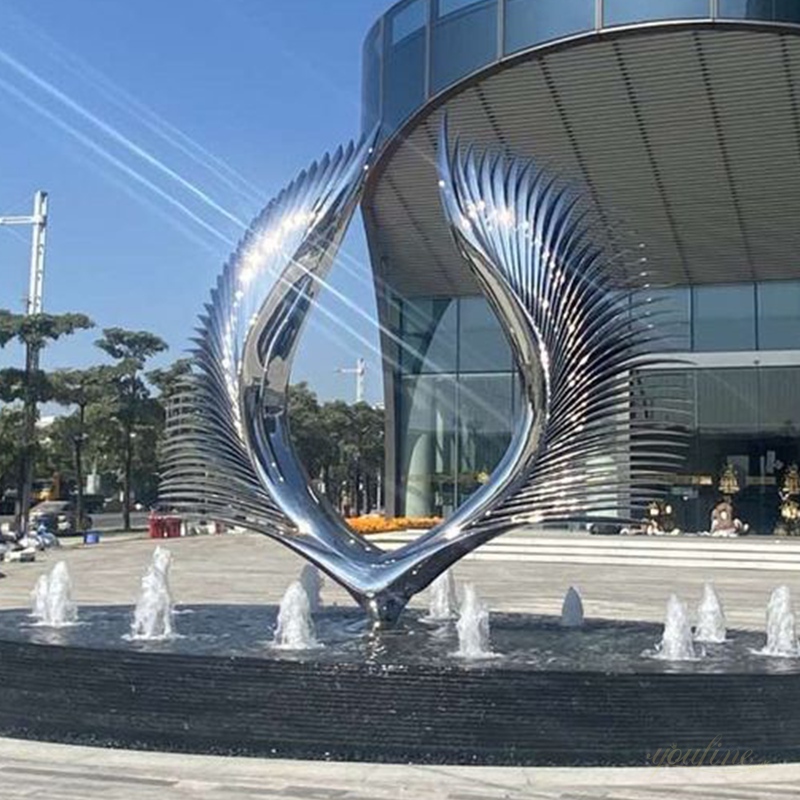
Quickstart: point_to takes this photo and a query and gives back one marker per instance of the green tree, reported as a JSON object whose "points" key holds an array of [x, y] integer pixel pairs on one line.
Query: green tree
{"points": [[169, 381], [133, 404], [367, 449], [79, 388], [39, 330], [339, 444], [11, 425], [357, 431], [309, 434], [31, 386]]}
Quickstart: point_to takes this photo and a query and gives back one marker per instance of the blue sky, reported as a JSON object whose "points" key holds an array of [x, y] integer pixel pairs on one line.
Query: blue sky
{"points": [[100, 101]]}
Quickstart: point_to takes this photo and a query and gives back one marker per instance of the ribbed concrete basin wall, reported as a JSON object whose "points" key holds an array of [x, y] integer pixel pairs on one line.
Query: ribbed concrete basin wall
{"points": [[453, 715]]}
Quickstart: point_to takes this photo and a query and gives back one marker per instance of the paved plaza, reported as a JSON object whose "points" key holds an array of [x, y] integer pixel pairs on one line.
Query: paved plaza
{"points": [[240, 568], [618, 578], [55, 772]]}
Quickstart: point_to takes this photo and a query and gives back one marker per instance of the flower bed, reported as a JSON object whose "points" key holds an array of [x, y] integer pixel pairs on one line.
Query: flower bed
{"points": [[374, 524]]}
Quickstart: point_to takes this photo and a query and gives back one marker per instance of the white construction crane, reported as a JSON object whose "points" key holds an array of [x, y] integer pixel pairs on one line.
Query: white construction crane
{"points": [[360, 371]]}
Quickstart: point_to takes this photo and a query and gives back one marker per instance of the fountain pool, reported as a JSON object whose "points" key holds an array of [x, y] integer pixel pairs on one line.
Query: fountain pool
{"points": [[552, 695]]}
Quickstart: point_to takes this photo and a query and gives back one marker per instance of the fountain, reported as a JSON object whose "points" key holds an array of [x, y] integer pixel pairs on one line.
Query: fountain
{"points": [[39, 597], [442, 598], [311, 579], [53, 606], [153, 615], [677, 643], [295, 628], [473, 626], [399, 695], [572, 609], [711, 624], [386, 687], [781, 626]]}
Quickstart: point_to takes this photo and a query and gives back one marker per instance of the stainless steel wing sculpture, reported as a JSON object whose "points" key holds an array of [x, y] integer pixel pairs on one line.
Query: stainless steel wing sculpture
{"points": [[574, 333], [579, 332], [228, 454]]}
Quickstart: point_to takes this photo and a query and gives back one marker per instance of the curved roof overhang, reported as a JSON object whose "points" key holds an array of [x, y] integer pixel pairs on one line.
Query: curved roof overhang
{"points": [[685, 138]]}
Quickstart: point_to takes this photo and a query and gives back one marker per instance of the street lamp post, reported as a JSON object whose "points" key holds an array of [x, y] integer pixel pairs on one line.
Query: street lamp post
{"points": [[33, 305], [38, 221]]}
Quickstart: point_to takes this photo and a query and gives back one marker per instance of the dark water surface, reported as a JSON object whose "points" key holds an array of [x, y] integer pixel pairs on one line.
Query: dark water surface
{"points": [[520, 642]]}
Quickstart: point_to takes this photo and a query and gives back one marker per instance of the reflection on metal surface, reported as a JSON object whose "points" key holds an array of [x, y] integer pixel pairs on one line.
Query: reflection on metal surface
{"points": [[578, 339], [228, 454], [575, 449]]}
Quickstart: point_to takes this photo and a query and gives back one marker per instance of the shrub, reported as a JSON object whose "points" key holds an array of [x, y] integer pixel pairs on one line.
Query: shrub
{"points": [[375, 524]]}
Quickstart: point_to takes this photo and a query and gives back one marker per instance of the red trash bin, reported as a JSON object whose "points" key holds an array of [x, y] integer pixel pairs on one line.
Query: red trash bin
{"points": [[164, 527], [155, 526]]}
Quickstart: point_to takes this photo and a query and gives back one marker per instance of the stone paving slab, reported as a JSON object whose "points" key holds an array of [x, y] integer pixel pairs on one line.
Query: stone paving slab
{"points": [[34, 770]]}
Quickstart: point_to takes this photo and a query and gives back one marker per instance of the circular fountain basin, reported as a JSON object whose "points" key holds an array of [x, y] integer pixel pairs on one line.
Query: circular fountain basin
{"points": [[554, 696]]}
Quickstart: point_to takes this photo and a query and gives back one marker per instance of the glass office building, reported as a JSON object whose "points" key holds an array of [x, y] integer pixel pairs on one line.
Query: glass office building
{"points": [[456, 395], [677, 121]]}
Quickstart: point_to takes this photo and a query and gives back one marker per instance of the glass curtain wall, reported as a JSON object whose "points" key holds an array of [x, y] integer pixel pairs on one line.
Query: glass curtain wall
{"points": [[464, 39], [404, 61], [427, 45], [772, 10], [748, 418], [531, 22], [371, 86], [622, 12], [456, 402], [724, 318], [458, 398], [727, 318]]}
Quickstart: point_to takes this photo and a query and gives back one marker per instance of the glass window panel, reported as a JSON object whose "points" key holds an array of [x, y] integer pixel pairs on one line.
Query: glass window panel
{"points": [[371, 89], [393, 312], [669, 311], [404, 66], [485, 426], [779, 391], [619, 12], [724, 318], [727, 399], [747, 9], [483, 346], [529, 22], [779, 316], [463, 41], [408, 20], [446, 7], [430, 336], [663, 396], [428, 445], [787, 11]]}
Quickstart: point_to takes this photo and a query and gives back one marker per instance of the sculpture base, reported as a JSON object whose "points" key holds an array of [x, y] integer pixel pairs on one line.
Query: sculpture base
{"points": [[333, 706]]}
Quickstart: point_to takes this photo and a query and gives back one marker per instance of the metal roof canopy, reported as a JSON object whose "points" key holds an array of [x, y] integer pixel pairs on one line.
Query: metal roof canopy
{"points": [[686, 139]]}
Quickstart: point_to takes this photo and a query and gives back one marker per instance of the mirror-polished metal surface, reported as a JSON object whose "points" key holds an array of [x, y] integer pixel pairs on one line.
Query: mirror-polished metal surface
{"points": [[573, 332], [529, 240]]}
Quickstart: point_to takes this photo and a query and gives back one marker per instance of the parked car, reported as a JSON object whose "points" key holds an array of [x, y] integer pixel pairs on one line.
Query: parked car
{"points": [[604, 528], [59, 517]]}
